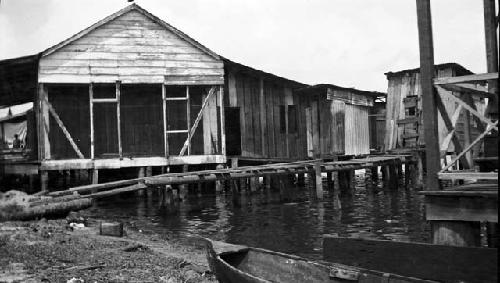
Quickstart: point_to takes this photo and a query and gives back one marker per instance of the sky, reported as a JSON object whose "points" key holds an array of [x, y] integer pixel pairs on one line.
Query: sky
{"points": [[350, 43]]}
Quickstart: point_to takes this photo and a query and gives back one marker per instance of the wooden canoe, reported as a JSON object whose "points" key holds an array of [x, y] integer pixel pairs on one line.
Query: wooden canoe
{"points": [[241, 264], [433, 262]]}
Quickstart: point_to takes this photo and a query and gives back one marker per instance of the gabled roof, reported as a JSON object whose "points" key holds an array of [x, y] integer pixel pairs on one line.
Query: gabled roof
{"points": [[132, 7]]}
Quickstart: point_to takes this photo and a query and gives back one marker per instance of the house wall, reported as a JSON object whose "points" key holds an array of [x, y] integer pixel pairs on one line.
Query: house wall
{"points": [[132, 49], [272, 117], [405, 85]]}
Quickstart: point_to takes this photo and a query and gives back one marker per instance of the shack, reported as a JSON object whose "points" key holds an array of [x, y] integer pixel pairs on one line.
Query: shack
{"points": [[337, 119], [132, 91], [404, 126]]}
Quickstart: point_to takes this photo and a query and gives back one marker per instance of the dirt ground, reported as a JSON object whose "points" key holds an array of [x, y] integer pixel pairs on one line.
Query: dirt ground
{"points": [[52, 251]]}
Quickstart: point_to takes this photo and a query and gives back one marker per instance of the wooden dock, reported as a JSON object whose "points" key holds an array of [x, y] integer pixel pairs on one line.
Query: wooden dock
{"points": [[314, 168]]}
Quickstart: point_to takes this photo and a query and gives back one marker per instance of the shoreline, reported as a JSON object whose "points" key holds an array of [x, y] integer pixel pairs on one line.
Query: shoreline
{"points": [[52, 251]]}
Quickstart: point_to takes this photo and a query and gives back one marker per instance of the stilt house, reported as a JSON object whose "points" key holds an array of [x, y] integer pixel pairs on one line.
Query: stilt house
{"points": [[404, 126], [133, 91]]}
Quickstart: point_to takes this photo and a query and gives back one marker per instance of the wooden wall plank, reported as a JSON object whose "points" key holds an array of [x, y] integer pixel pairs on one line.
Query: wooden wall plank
{"points": [[131, 51]]}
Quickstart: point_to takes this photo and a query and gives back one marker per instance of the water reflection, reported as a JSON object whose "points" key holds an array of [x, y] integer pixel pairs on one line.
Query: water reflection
{"points": [[261, 221]]}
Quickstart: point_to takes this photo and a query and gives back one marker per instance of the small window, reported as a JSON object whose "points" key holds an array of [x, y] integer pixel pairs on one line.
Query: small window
{"points": [[292, 119], [282, 119]]}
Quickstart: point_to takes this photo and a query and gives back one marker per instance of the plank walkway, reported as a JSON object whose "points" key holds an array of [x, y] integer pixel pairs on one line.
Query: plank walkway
{"points": [[306, 166]]}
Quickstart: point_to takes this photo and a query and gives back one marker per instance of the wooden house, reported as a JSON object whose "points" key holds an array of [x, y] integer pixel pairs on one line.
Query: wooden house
{"points": [[404, 127], [131, 91], [336, 119]]}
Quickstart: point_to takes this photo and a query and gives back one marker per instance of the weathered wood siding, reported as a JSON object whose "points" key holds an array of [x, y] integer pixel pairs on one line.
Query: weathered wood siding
{"points": [[133, 49], [407, 84], [357, 133], [265, 116]]}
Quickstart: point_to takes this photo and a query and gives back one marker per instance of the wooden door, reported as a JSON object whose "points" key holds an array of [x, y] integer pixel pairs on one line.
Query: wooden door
{"points": [[233, 130]]}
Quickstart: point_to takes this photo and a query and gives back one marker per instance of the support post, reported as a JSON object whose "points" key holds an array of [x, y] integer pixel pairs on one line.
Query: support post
{"points": [[183, 188], [118, 118], [490, 32], [428, 93], [141, 174], [319, 181], [91, 109], [44, 180], [222, 126], [219, 184]]}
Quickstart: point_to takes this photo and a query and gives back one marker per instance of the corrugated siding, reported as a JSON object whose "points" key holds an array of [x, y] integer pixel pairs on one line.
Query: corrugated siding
{"points": [[357, 134], [134, 49]]}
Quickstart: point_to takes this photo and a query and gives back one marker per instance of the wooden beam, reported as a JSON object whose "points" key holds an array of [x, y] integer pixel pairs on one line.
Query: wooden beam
{"points": [[222, 121], [164, 105], [428, 93], [467, 89], [478, 139], [466, 106], [490, 32], [91, 109], [467, 78], [44, 120], [468, 175], [454, 119], [118, 118], [449, 125], [196, 121], [63, 128]]}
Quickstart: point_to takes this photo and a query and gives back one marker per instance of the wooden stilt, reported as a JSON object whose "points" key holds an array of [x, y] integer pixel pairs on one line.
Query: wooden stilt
{"points": [[456, 233], [319, 181], [392, 177], [329, 181], [408, 169], [183, 188], [368, 179], [253, 184], [44, 180], [300, 179], [419, 180], [219, 185], [352, 181], [141, 174], [235, 193]]}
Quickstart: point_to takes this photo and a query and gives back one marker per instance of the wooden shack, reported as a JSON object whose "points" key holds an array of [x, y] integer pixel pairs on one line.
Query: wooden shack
{"points": [[404, 127], [337, 119], [131, 91]]}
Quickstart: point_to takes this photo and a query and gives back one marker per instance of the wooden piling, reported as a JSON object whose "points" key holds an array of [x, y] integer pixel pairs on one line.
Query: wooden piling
{"points": [[319, 181], [44, 180], [219, 185], [492, 234], [183, 188], [301, 179], [141, 173], [329, 181]]}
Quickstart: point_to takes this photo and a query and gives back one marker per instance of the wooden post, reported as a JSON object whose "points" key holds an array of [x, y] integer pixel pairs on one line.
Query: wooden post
{"points": [[164, 105], [45, 121], [234, 193], [419, 180], [490, 32], [149, 173], [352, 181], [492, 234], [408, 169], [44, 180], [319, 181], [141, 174], [262, 116], [118, 118], [222, 126], [91, 109], [253, 184], [219, 185], [183, 188], [456, 233], [329, 181], [428, 93], [368, 179]]}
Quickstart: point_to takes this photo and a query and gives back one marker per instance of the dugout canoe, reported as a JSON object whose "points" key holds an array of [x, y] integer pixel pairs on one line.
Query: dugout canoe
{"points": [[242, 264]]}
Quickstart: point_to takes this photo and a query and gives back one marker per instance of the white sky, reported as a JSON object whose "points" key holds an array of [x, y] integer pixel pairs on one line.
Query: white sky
{"points": [[350, 43]]}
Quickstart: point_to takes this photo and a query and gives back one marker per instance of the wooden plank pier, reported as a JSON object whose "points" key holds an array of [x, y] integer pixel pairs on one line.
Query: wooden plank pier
{"points": [[314, 168]]}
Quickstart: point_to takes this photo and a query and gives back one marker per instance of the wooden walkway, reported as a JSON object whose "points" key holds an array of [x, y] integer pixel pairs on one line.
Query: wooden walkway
{"points": [[316, 166]]}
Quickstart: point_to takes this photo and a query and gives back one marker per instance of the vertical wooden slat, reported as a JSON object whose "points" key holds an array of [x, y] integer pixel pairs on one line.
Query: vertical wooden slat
{"points": [[91, 108], [428, 93], [222, 125], [44, 114], [188, 120], [118, 118], [262, 118], [164, 101]]}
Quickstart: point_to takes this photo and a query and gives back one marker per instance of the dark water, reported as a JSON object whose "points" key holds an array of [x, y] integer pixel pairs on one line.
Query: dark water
{"points": [[261, 221]]}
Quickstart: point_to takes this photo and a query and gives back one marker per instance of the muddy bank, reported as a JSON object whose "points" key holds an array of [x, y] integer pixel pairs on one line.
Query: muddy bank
{"points": [[52, 251]]}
